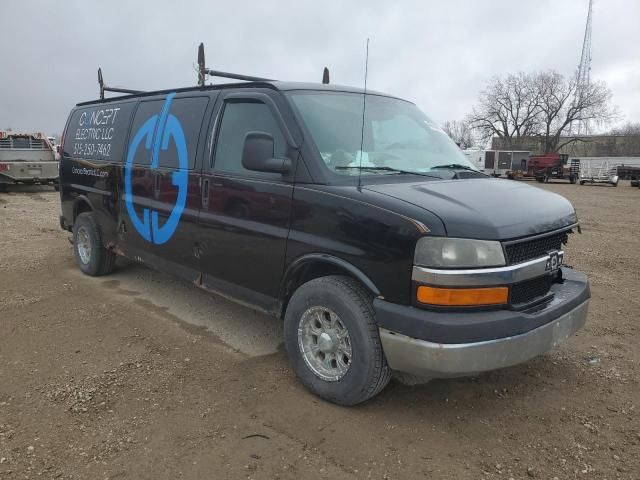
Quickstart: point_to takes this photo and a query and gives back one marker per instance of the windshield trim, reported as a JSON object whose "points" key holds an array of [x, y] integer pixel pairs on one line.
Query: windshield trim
{"points": [[353, 91]]}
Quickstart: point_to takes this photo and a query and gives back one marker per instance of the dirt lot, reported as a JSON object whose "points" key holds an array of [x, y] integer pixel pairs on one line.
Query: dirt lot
{"points": [[140, 376]]}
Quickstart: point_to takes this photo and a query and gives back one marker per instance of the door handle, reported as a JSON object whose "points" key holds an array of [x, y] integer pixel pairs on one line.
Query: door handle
{"points": [[156, 185], [205, 193]]}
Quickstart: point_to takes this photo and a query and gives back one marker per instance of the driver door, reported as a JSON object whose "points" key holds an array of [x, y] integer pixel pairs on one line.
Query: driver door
{"points": [[245, 215]]}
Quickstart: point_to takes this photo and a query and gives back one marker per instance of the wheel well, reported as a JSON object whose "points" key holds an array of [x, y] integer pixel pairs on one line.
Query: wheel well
{"points": [[81, 206], [311, 270]]}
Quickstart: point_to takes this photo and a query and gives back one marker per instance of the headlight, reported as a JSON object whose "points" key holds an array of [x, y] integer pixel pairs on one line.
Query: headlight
{"points": [[443, 252]]}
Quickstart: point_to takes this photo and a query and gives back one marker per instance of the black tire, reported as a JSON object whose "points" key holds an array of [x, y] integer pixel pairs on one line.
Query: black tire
{"points": [[99, 261], [368, 372], [56, 186], [572, 179], [581, 182], [539, 179]]}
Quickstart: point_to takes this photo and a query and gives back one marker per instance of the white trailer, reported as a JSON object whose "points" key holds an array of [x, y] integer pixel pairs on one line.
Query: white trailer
{"points": [[476, 157], [499, 162], [604, 169]]}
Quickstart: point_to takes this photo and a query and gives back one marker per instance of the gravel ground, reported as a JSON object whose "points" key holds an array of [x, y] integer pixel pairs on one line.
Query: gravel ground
{"points": [[141, 376]]}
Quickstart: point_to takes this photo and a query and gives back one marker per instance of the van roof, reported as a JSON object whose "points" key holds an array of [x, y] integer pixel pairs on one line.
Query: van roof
{"points": [[274, 84]]}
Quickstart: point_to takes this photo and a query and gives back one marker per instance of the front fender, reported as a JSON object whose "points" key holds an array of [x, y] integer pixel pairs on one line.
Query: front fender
{"points": [[322, 258]]}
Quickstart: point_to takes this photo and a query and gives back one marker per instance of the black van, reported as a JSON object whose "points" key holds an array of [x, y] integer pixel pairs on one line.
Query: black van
{"points": [[351, 216]]}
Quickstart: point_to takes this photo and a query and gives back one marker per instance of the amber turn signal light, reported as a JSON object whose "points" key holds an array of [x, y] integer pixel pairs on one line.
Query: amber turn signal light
{"points": [[462, 297]]}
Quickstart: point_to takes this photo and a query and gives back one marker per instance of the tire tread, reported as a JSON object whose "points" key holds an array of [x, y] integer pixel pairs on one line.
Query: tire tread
{"points": [[361, 296], [379, 374], [106, 258]]}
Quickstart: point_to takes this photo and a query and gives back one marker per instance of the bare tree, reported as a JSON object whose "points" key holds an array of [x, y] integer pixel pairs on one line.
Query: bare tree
{"points": [[460, 132], [542, 104], [629, 146], [507, 108], [629, 128], [560, 106]]}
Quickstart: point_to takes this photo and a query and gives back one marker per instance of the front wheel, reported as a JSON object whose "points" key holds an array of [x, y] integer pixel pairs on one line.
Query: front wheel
{"points": [[332, 341], [88, 248]]}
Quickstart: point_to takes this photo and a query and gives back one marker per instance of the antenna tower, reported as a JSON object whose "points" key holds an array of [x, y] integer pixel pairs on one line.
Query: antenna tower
{"points": [[583, 77]]}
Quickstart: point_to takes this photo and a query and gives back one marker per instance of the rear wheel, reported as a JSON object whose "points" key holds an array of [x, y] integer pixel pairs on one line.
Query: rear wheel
{"points": [[91, 255], [332, 341]]}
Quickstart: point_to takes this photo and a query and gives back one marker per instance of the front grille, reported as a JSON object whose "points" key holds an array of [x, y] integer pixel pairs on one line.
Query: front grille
{"points": [[524, 250], [530, 290]]}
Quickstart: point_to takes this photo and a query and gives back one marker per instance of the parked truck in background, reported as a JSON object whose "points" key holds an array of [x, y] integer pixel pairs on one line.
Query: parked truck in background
{"points": [[27, 158], [553, 165]]}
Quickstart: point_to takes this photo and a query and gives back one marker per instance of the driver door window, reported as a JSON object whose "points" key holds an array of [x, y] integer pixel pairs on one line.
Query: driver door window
{"points": [[238, 119]]}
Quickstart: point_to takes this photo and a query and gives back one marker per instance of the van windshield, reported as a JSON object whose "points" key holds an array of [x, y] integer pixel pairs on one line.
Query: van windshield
{"points": [[397, 136]]}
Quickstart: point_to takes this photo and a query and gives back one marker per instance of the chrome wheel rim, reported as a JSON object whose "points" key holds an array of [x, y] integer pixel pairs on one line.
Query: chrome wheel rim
{"points": [[83, 245], [325, 343]]}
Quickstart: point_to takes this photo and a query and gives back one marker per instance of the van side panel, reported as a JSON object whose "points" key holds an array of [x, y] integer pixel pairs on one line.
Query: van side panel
{"points": [[163, 167], [93, 150]]}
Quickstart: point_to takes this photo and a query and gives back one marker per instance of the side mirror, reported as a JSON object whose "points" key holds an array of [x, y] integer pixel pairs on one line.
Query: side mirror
{"points": [[257, 154]]}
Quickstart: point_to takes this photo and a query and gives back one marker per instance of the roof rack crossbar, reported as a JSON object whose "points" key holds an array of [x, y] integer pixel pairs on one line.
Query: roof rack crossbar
{"points": [[104, 88], [203, 70], [236, 76]]}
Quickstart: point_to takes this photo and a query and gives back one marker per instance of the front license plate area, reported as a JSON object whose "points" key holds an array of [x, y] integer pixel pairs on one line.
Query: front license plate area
{"points": [[554, 262]]}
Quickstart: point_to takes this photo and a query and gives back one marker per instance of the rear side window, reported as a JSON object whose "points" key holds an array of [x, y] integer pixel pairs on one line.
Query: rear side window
{"points": [[99, 132], [188, 111], [238, 119]]}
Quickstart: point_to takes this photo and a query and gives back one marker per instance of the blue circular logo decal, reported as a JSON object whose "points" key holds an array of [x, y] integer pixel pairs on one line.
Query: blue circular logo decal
{"points": [[157, 132]]}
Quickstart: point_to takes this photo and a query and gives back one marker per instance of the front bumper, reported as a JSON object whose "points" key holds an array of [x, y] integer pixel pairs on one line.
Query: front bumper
{"points": [[451, 344]]}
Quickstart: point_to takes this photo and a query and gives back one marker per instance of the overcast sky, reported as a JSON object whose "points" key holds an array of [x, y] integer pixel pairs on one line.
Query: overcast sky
{"points": [[438, 54]]}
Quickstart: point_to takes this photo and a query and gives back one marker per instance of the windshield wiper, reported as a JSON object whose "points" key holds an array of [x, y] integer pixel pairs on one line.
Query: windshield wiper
{"points": [[385, 169], [456, 166]]}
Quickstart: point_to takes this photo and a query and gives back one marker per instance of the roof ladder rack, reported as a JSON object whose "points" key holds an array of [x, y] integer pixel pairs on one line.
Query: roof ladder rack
{"points": [[104, 88], [203, 70]]}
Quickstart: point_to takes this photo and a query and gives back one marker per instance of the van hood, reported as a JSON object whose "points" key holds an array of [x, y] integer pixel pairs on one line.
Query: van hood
{"points": [[487, 209]]}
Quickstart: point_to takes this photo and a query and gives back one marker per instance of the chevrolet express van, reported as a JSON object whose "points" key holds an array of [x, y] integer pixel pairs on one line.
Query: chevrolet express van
{"points": [[349, 215]]}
